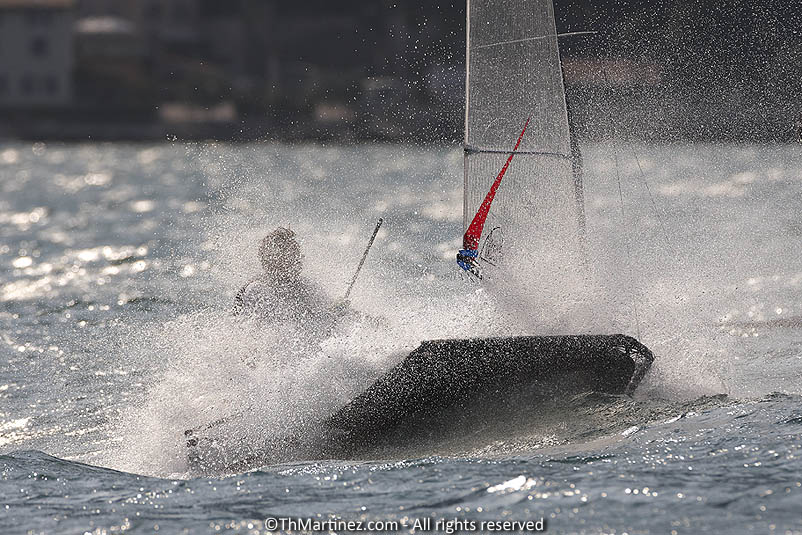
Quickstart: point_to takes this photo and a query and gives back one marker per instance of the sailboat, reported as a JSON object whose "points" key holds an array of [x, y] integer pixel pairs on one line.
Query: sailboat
{"points": [[523, 216], [523, 210]]}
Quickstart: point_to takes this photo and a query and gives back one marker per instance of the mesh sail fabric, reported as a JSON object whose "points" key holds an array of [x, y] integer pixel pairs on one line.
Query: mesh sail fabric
{"points": [[513, 74]]}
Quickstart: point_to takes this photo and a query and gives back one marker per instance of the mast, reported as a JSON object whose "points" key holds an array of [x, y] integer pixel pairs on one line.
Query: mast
{"points": [[576, 166], [465, 214]]}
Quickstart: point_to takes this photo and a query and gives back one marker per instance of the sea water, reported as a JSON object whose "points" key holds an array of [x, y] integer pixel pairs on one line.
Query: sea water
{"points": [[118, 264]]}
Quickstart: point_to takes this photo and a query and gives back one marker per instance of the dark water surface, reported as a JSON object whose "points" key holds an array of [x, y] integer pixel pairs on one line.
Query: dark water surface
{"points": [[118, 264]]}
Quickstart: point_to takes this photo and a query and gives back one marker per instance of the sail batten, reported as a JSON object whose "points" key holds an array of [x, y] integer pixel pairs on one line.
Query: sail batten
{"points": [[476, 150]]}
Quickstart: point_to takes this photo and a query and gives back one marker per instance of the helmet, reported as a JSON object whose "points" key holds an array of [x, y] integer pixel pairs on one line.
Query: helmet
{"points": [[280, 253]]}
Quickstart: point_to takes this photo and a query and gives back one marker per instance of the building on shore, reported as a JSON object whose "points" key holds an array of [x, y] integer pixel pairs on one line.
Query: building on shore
{"points": [[110, 71], [36, 54]]}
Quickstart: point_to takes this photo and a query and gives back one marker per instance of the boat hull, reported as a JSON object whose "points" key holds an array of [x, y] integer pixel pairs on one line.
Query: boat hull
{"points": [[442, 389], [445, 385]]}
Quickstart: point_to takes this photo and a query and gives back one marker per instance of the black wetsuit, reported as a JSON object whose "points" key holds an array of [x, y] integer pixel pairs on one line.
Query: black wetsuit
{"points": [[296, 300]]}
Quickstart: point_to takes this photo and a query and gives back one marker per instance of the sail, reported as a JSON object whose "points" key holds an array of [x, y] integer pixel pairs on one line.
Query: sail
{"points": [[514, 88]]}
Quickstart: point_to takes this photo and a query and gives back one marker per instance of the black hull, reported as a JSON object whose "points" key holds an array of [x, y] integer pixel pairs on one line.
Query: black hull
{"points": [[446, 386]]}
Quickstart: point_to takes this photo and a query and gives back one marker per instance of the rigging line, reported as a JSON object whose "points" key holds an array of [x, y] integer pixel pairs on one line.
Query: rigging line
{"points": [[626, 242], [628, 235], [538, 38], [651, 198]]}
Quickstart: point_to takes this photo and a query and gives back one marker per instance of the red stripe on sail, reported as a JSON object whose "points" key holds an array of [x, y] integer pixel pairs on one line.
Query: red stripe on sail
{"points": [[474, 232]]}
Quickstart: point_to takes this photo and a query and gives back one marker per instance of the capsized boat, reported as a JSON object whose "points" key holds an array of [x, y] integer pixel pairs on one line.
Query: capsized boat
{"points": [[447, 384], [523, 207]]}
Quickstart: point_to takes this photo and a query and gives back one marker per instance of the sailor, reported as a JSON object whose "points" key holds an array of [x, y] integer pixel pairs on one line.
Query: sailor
{"points": [[281, 294]]}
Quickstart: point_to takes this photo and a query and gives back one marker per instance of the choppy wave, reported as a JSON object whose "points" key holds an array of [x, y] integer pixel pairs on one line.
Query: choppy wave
{"points": [[684, 461], [118, 264]]}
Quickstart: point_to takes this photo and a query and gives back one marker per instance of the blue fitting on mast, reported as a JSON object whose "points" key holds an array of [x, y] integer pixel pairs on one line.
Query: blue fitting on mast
{"points": [[466, 259]]}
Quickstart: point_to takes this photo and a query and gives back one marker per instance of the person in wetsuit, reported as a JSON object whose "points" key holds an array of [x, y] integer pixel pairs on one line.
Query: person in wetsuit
{"points": [[281, 294]]}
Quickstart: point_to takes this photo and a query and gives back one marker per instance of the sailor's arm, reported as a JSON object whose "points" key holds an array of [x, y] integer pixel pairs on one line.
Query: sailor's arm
{"points": [[239, 299]]}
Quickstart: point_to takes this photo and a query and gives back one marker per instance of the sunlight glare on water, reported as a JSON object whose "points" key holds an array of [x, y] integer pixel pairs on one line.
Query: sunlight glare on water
{"points": [[119, 264]]}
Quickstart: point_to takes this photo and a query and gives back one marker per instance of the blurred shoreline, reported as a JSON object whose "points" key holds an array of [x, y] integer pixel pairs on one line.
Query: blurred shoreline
{"points": [[595, 116], [250, 70]]}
